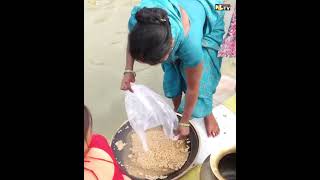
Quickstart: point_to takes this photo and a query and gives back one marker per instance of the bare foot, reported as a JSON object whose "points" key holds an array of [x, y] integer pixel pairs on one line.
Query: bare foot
{"points": [[211, 125]]}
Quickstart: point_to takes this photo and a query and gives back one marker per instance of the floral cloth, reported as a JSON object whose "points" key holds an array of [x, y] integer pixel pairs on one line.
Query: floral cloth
{"points": [[228, 48]]}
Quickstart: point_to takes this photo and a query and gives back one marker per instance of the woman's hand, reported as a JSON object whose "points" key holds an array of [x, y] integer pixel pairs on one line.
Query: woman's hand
{"points": [[183, 132], [126, 80], [183, 128], [128, 77]]}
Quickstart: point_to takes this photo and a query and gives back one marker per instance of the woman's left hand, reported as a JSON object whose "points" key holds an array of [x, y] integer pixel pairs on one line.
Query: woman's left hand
{"points": [[183, 132]]}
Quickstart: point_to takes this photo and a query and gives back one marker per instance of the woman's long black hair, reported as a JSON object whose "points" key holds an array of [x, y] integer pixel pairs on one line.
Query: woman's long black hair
{"points": [[150, 39]]}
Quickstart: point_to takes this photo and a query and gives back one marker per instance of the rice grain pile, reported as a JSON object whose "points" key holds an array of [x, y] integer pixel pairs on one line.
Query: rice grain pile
{"points": [[164, 155]]}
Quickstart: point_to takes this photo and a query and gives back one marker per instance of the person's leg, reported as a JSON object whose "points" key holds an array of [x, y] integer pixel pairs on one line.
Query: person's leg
{"points": [[176, 102], [208, 84], [212, 126], [172, 83]]}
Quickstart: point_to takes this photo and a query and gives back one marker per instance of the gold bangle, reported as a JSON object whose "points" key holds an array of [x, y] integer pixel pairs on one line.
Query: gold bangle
{"points": [[184, 124], [129, 71]]}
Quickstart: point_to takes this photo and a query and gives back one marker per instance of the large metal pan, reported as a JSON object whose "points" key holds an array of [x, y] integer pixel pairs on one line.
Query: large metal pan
{"points": [[123, 134]]}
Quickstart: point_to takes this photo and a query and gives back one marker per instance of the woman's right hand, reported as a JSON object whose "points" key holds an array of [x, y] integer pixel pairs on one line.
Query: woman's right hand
{"points": [[126, 80]]}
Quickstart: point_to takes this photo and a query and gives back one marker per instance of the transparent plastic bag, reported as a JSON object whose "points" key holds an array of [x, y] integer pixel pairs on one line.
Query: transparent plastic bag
{"points": [[146, 109]]}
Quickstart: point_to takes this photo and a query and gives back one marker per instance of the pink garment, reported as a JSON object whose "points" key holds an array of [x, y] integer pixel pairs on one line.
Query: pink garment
{"points": [[228, 47], [100, 142]]}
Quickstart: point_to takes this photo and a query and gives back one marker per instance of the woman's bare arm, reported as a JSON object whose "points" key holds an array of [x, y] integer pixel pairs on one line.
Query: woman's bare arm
{"points": [[193, 76], [128, 77], [129, 59]]}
